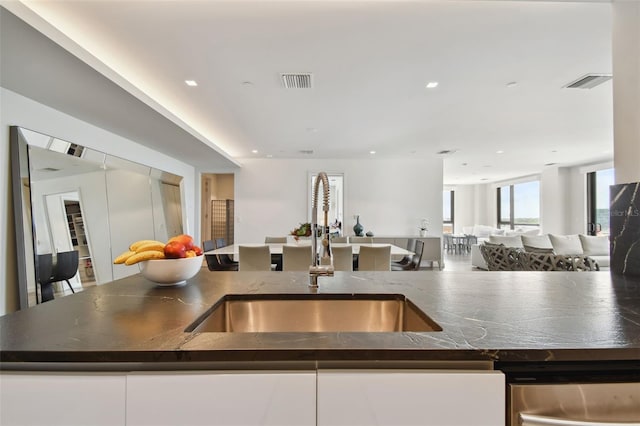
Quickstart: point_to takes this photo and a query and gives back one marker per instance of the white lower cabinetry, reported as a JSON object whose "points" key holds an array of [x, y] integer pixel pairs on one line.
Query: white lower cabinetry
{"points": [[65, 399], [415, 397], [297, 398], [222, 398]]}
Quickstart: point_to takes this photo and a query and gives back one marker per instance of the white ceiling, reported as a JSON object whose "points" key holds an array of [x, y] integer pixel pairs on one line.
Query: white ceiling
{"points": [[370, 63]]}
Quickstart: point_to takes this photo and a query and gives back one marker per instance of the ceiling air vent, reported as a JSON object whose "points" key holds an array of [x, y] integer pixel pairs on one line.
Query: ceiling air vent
{"points": [[297, 81], [588, 81], [306, 151]]}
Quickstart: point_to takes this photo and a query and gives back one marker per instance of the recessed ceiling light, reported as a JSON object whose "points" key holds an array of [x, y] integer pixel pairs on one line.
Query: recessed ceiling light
{"points": [[512, 84], [372, 152], [191, 83], [247, 83], [432, 84], [269, 156], [255, 151], [312, 129], [500, 151]]}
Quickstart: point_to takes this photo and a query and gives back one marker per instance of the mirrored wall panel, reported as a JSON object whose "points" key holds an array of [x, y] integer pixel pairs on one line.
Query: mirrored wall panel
{"points": [[76, 209]]}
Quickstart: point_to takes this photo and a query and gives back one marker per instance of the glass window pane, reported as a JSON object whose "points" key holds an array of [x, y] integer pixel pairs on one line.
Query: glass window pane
{"points": [[526, 203], [505, 204], [446, 206], [604, 179]]}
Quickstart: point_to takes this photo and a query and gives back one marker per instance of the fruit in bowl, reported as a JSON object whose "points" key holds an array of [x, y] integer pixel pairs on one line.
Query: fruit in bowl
{"points": [[165, 264], [170, 271]]}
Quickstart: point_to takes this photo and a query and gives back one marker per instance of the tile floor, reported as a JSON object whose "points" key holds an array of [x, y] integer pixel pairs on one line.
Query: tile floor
{"points": [[455, 262]]}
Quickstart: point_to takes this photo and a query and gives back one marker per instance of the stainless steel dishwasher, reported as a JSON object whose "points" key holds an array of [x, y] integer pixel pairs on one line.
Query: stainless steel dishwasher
{"points": [[575, 395]]}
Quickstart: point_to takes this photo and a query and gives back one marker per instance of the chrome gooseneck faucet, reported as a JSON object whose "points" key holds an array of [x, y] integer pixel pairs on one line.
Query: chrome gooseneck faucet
{"points": [[323, 265]]}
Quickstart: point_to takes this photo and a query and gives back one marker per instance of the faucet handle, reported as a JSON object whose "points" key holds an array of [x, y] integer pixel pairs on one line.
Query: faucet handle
{"points": [[316, 271], [326, 270]]}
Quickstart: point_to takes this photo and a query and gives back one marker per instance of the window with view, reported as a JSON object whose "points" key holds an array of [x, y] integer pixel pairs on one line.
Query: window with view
{"points": [[519, 205], [598, 184], [447, 211]]}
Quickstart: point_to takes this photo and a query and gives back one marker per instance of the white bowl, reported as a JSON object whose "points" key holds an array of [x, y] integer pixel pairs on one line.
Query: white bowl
{"points": [[168, 272]]}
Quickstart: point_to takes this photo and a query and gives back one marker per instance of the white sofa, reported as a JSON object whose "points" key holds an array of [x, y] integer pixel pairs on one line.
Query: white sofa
{"points": [[596, 247]]}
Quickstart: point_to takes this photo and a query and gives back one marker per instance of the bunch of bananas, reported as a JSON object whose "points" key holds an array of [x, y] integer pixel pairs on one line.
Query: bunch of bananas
{"points": [[177, 247], [141, 250]]}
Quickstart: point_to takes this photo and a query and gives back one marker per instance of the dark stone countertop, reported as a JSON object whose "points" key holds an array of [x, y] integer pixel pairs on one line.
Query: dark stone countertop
{"points": [[485, 316]]}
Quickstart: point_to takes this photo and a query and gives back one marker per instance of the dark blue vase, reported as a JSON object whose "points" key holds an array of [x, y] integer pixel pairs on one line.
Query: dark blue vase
{"points": [[358, 228]]}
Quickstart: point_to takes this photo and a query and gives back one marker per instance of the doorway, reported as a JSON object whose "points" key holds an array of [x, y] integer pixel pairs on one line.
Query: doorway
{"points": [[67, 232], [217, 207]]}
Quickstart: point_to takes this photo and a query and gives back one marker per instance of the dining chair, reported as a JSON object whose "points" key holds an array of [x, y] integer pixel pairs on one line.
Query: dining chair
{"points": [[296, 258], [374, 258], [66, 267], [361, 240], [411, 245], [342, 240], [342, 258], [254, 258], [276, 259], [224, 259], [214, 262], [416, 259], [44, 272]]}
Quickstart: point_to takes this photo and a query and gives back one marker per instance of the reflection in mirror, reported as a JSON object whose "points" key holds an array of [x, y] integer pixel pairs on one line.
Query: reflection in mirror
{"points": [[69, 198]]}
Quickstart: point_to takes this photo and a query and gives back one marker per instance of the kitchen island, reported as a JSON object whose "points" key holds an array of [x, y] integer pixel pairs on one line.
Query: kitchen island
{"points": [[501, 316], [489, 321]]}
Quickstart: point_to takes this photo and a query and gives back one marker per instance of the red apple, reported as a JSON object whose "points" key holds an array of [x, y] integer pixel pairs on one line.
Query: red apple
{"points": [[184, 239], [175, 250]]}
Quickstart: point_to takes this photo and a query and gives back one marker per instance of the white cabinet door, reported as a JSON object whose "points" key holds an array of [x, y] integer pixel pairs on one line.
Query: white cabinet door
{"points": [[222, 398], [411, 397], [62, 399]]}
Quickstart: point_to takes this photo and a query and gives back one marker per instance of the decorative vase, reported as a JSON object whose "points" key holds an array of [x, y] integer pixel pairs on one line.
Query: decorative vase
{"points": [[358, 228]]}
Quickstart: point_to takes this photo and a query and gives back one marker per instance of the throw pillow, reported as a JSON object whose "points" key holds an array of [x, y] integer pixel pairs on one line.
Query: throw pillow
{"points": [[541, 241], [594, 245], [568, 245], [509, 241]]}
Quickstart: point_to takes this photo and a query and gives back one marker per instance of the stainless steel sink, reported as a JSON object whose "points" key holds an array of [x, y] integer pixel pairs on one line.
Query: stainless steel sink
{"points": [[267, 313]]}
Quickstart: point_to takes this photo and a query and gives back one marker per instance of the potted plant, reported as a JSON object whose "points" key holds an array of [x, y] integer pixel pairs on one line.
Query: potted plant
{"points": [[304, 230]]}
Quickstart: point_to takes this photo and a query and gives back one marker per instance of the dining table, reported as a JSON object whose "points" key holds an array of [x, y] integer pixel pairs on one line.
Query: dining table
{"points": [[276, 248]]}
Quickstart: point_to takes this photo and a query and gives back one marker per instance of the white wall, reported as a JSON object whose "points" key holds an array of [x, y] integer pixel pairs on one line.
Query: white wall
{"points": [[20, 111], [626, 90], [391, 196], [554, 197], [464, 207]]}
